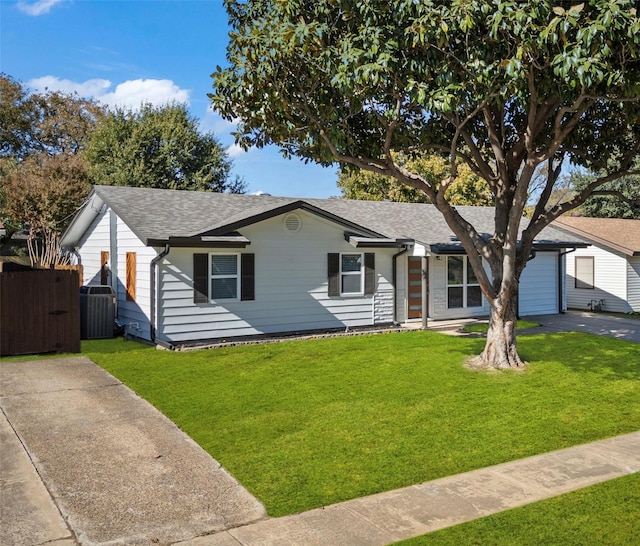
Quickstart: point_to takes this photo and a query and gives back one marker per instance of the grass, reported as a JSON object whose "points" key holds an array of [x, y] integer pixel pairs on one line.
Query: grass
{"points": [[607, 513], [307, 424], [483, 327], [310, 423], [632, 315]]}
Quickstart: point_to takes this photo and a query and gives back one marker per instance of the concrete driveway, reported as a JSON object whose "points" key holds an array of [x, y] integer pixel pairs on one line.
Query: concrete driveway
{"points": [[84, 460], [592, 323]]}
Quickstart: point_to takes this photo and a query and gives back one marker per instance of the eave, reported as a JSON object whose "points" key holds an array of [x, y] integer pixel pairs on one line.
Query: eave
{"points": [[234, 240], [359, 241]]}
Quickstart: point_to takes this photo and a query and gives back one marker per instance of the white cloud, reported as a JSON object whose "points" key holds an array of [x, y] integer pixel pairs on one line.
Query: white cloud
{"points": [[89, 88], [235, 150], [39, 7], [133, 93], [130, 94]]}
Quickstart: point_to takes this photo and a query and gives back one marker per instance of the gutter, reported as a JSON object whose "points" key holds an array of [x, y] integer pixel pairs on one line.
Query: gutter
{"points": [[152, 321], [394, 279]]}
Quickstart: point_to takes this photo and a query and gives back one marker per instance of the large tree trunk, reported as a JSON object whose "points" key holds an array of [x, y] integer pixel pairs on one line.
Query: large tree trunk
{"points": [[501, 351]]}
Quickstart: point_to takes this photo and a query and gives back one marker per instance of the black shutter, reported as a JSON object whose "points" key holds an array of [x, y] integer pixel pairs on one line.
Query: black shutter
{"points": [[333, 270], [247, 277], [369, 273], [200, 278]]}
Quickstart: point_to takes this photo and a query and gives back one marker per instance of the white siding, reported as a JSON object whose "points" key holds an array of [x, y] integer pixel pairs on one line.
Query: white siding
{"points": [[633, 283], [539, 285], [94, 241], [610, 279], [290, 287], [133, 315]]}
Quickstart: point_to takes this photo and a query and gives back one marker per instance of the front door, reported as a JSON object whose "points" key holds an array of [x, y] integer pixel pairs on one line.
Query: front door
{"points": [[414, 283]]}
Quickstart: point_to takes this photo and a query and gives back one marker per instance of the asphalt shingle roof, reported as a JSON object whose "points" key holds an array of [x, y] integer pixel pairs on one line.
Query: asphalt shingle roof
{"points": [[618, 233], [155, 214]]}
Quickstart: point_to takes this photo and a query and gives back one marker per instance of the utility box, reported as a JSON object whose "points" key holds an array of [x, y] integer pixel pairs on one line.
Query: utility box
{"points": [[97, 312]]}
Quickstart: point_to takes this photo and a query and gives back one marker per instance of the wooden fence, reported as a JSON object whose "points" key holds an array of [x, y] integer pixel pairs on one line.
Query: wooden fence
{"points": [[39, 312]]}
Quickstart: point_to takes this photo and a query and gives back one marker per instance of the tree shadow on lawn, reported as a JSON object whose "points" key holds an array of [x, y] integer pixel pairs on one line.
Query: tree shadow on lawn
{"points": [[608, 357]]}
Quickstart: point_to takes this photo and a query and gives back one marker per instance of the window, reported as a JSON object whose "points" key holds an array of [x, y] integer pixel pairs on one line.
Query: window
{"points": [[131, 276], [584, 277], [351, 274], [223, 277], [225, 281], [463, 289]]}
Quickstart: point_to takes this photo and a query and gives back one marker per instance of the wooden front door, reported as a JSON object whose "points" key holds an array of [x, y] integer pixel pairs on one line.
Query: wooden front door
{"points": [[414, 290]]}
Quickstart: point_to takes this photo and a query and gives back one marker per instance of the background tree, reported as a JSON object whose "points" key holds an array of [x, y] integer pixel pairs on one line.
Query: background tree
{"points": [[616, 199], [44, 193], [467, 189], [17, 115], [159, 147], [43, 176], [502, 86]]}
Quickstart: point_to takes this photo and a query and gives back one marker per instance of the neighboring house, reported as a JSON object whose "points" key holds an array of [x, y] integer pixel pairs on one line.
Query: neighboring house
{"points": [[606, 275], [191, 266]]}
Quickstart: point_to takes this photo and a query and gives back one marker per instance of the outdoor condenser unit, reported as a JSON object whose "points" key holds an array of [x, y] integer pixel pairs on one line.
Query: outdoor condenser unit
{"points": [[97, 311]]}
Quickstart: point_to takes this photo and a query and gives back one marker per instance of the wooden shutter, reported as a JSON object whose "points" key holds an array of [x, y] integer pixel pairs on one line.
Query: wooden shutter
{"points": [[333, 273], [247, 277], [200, 278], [131, 276], [104, 267], [369, 273]]}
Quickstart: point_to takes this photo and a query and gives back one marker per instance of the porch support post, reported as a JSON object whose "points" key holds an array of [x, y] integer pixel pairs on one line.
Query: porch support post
{"points": [[425, 291]]}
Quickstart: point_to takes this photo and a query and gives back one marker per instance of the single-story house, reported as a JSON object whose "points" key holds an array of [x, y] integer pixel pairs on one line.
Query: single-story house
{"points": [[606, 275], [194, 266]]}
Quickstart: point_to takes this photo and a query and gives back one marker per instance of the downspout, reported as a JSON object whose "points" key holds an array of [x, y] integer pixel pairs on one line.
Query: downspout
{"points": [[75, 252], [152, 321], [394, 279], [561, 277], [424, 266]]}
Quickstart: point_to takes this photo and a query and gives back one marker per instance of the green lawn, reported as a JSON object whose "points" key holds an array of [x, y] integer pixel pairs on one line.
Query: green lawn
{"points": [[607, 513], [304, 424]]}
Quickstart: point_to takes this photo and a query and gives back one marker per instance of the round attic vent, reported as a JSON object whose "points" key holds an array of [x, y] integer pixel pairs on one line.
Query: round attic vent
{"points": [[292, 223]]}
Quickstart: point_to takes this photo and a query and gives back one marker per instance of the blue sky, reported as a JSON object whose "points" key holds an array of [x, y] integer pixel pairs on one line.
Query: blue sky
{"points": [[124, 52]]}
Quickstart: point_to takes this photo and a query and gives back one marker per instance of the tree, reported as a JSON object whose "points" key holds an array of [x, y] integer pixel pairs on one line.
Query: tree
{"points": [[42, 173], [16, 117], [467, 189], [51, 122], [502, 86], [158, 147], [616, 199], [43, 192]]}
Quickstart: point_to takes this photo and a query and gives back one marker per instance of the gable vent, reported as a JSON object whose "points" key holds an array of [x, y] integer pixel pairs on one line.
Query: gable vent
{"points": [[292, 223]]}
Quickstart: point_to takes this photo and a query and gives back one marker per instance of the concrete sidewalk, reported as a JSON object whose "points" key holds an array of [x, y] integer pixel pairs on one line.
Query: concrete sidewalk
{"points": [[86, 461]]}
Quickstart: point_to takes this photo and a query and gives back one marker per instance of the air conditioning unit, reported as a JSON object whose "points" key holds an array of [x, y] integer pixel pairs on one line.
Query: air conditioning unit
{"points": [[97, 311]]}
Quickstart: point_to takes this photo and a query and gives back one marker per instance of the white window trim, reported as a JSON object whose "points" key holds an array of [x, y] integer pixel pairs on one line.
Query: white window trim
{"points": [[352, 273], [237, 276], [465, 285]]}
